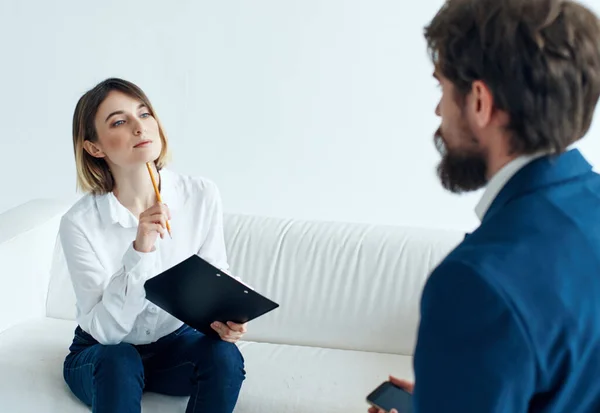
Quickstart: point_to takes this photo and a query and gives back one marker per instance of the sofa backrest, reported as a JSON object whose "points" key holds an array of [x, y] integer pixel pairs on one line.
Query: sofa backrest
{"points": [[340, 285]]}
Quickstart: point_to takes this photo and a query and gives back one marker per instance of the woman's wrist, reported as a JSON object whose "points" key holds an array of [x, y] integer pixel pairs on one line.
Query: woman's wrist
{"points": [[142, 249]]}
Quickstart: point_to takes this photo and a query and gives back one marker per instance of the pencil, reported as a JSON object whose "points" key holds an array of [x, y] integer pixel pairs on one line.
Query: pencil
{"points": [[158, 197]]}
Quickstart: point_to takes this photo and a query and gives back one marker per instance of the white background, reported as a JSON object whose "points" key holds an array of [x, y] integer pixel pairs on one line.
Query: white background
{"points": [[319, 109]]}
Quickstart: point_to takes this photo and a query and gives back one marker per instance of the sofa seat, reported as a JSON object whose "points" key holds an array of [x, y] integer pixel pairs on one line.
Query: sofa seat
{"points": [[281, 378]]}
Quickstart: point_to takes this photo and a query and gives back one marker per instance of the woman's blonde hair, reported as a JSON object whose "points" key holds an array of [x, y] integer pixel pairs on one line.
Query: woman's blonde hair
{"points": [[93, 174]]}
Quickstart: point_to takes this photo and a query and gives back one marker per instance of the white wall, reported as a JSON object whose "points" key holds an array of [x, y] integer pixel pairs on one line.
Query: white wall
{"points": [[311, 109]]}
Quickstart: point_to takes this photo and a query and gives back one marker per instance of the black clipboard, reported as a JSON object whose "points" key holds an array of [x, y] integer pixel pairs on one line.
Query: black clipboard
{"points": [[197, 293]]}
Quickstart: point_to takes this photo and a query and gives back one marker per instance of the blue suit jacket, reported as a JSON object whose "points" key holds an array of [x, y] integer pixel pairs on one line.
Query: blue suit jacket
{"points": [[510, 320]]}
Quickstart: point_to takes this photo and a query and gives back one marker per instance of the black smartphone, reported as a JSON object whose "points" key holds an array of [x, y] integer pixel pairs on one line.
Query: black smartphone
{"points": [[388, 396]]}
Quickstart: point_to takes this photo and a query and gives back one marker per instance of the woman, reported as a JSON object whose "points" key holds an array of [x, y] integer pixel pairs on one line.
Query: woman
{"points": [[114, 240]]}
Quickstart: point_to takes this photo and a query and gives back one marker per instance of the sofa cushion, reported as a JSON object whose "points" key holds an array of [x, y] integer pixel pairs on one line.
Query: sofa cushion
{"points": [[27, 237], [281, 378]]}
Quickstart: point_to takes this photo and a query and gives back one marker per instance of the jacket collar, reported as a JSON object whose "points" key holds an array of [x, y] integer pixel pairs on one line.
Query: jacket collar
{"points": [[500, 179], [546, 171]]}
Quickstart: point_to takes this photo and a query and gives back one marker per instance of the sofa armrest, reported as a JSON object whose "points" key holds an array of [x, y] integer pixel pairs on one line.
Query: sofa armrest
{"points": [[27, 238]]}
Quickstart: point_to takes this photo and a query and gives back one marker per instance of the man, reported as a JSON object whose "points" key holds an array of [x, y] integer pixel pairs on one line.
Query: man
{"points": [[510, 320]]}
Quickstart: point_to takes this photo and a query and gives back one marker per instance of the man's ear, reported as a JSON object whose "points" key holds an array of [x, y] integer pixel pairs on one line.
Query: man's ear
{"points": [[482, 101], [93, 149]]}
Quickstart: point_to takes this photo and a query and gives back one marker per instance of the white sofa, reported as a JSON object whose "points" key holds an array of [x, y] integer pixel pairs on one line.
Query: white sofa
{"points": [[349, 298]]}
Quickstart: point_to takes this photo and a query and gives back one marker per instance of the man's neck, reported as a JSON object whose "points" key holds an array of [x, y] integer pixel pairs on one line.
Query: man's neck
{"points": [[497, 163], [134, 189]]}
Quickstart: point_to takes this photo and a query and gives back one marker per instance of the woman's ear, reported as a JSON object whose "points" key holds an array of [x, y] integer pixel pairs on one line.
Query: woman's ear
{"points": [[93, 149]]}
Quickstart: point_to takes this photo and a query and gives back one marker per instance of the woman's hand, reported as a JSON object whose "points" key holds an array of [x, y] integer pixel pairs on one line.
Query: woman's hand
{"points": [[152, 223], [230, 332]]}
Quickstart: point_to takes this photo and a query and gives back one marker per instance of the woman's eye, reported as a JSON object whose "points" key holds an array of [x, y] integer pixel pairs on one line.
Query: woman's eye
{"points": [[118, 123], [145, 115]]}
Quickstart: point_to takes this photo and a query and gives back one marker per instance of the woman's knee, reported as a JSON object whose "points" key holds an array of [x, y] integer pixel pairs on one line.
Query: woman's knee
{"points": [[105, 372], [227, 357], [119, 361]]}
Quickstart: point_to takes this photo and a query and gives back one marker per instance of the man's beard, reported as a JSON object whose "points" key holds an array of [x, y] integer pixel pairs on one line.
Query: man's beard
{"points": [[460, 170]]}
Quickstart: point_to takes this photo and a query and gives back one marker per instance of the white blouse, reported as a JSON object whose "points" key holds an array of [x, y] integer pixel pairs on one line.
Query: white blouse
{"points": [[108, 275]]}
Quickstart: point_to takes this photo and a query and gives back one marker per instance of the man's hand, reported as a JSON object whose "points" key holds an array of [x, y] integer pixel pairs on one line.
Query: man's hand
{"points": [[230, 332], [406, 385]]}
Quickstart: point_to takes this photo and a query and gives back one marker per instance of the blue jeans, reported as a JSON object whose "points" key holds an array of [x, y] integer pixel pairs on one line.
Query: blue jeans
{"points": [[183, 363]]}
